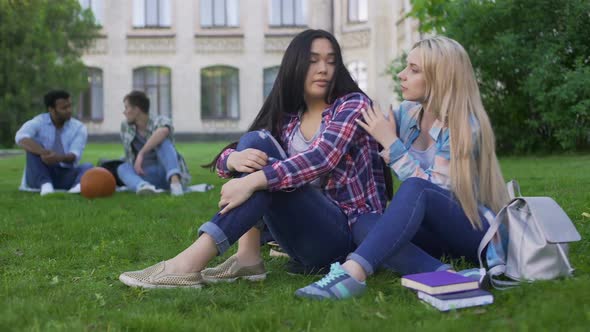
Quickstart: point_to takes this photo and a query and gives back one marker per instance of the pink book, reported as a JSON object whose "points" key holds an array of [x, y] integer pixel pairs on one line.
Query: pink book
{"points": [[439, 282]]}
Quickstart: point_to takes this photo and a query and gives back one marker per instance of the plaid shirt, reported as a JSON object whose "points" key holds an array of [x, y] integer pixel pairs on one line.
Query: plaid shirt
{"points": [[128, 133], [343, 154]]}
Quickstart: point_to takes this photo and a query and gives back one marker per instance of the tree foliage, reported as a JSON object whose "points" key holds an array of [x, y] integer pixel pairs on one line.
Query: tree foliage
{"points": [[41, 43], [532, 59]]}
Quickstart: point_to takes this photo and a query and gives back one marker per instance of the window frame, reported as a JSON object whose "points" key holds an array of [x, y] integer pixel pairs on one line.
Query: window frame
{"points": [[264, 82], [214, 25], [357, 4], [155, 107], [281, 24], [160, 18], [90, 116], [205, 85]]}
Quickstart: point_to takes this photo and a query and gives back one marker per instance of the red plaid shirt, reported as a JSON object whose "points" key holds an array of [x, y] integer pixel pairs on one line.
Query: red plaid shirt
{"points": [[344, 154]]}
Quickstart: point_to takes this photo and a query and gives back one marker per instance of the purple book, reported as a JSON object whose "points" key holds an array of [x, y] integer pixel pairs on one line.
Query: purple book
{"points": [[439, 282]]}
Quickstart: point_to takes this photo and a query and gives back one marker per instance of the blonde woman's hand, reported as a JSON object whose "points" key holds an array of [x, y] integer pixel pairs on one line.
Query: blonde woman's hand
{"points": [[377, 125], [247, 161]]}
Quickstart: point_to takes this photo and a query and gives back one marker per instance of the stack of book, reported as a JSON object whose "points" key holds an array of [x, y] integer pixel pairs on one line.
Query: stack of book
{"points": [[447, 290]]}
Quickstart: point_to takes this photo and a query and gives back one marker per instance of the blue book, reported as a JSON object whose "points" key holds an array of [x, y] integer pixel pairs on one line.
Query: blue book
{"points": [[452, 301], [439, 282]]}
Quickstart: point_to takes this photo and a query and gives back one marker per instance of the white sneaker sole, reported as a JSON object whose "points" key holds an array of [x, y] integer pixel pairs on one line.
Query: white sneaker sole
{"points": [[146, 191], [136, 283], [256, 277]]}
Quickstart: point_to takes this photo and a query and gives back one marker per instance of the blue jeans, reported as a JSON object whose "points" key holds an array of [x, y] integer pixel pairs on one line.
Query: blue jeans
{"points": [[307, 225], [423, 220], [157, 174], [38, 173]]}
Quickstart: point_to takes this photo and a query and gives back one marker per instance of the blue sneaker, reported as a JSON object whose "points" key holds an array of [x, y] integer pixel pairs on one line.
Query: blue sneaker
{"points": [[475, 273], [336, 285]]}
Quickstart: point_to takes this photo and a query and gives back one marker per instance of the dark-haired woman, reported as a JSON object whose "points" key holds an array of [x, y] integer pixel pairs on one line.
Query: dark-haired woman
{"points": [[305, 167]]}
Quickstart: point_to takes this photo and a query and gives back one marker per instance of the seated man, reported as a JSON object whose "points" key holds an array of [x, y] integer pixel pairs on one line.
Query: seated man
{"points": [[151, 159], [54, 143]]}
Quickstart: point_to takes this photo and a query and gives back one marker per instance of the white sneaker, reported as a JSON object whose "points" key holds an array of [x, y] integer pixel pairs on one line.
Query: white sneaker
{"points": [[47, 188], [75, 189], [146, 189], [176, 189]]}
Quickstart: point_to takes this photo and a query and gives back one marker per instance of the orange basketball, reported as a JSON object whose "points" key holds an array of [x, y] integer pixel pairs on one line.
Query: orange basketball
{"points": [[97, 182]]}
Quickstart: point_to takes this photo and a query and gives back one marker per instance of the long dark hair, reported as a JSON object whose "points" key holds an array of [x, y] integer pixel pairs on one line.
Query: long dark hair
{"points": [[287, 94]]}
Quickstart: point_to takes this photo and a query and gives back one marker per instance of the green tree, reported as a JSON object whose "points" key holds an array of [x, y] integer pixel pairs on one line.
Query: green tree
{"points": [[41, 42], [532, 59]]}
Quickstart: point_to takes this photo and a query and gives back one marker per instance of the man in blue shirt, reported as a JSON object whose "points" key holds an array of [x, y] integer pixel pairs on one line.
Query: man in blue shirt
{"points": [[54, 143]]}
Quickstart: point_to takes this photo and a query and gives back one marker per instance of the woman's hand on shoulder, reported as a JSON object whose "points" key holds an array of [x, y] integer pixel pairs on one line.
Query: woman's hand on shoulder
{"points": [[247, 161], [382, 128]]}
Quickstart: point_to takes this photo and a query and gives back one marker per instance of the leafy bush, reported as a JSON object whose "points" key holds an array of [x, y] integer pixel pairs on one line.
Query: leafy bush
{"points": [[41, 43], [532, 59]]}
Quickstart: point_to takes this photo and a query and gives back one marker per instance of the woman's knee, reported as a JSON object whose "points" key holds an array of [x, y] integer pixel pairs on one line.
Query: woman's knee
{"points": [[261, 140], [414, 184]]}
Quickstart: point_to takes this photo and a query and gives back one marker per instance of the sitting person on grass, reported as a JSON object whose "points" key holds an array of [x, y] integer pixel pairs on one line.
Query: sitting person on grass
{"points": [[151, 160], [440, 143], [305, 167], [54, 143]]}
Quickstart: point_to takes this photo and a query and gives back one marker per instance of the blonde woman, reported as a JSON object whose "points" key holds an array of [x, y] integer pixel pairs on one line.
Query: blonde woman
{"points": [[441, 145]]}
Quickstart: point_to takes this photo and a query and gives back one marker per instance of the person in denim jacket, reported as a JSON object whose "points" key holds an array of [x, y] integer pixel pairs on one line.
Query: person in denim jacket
{"points": [[305, 167], [440, 143], [151, 160], [54, 143]]}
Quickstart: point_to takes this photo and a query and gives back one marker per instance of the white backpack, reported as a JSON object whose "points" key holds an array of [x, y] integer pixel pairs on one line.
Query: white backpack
{"points": [[527, 241]]}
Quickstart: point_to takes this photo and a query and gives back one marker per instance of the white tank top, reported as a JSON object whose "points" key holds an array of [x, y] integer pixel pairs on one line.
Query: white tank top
{"points": [[424, 157]]}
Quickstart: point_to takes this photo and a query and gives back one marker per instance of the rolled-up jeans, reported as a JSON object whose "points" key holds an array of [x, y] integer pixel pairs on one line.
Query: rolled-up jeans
{"points": [[306, 223]]}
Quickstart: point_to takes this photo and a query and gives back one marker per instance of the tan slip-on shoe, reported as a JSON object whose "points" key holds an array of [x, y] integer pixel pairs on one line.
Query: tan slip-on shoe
{"points": [[231, 270], [153, 277]]}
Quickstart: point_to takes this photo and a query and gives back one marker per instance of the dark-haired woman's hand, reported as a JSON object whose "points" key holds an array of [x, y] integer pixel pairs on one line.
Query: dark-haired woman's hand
{"points": [[237, 191], [382, 128], [247, 161]]}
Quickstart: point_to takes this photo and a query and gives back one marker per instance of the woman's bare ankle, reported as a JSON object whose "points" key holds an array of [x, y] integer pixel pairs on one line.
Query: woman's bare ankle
{"points": [[247, 259], [175, 266]]}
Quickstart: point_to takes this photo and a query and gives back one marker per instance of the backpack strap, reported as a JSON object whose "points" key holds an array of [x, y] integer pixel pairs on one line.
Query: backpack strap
{"points": [[495, 272], [494, 226]]}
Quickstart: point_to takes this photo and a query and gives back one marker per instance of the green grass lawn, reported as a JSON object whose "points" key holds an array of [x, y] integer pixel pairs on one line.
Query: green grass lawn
{"points": [[60, 257]]}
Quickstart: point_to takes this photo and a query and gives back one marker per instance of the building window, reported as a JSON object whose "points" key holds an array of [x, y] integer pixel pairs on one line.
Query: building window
{"points": [[357, 11], [220, 97], [90, 106], [287, 13], [151, 13], [95, 6], [269, 76], [155, 82], [358, 71], [220, 13]]}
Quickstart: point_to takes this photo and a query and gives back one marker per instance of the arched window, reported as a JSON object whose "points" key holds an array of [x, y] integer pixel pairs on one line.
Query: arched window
{"points": [[269, 76], [220, 95], [155, 82], [90, 106], [358, 70]]}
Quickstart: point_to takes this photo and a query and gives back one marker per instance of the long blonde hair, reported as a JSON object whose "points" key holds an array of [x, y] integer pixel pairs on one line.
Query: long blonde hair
{"points": [[453, 95]]}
